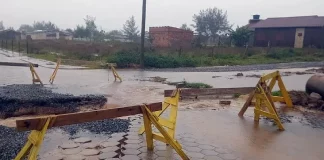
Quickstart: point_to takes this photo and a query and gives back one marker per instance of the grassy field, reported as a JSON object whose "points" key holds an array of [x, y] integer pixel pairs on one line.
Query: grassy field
{"points": [[168, 59]]}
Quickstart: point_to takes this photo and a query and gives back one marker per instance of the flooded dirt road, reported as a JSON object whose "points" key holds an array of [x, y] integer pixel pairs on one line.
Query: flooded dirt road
{"points": [[205, 120]]}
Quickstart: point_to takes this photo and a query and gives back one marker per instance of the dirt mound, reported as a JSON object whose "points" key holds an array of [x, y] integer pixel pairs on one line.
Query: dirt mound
{"points": [[16, 100], [303, 99], [319, 70]]}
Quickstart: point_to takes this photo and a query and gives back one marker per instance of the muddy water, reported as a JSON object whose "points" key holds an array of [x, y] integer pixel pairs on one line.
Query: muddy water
{"points": [[132, 89], [223, 127]]}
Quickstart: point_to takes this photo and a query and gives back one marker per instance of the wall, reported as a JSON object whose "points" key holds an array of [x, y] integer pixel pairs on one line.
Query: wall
{"points": [[278, 37], [285, 37], [170, 37], [37, 36], [314, 37]]}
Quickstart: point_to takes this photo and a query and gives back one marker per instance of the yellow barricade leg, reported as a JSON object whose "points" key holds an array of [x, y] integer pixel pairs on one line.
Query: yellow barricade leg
{"points": [[34, 74], [51, 80], [34, 143], [115, 74], [149, 119]]}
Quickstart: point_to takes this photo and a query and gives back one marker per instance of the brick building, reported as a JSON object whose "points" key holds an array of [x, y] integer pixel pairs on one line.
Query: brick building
{"points": [[170, 37]]}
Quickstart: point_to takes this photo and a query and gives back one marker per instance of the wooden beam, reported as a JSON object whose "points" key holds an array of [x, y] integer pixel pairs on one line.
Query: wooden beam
{"points": [[75, 118], [16, 64], [211, 91]]}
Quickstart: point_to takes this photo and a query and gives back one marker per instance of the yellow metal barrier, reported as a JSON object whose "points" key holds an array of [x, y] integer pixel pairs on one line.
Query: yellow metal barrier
{"points": [[34, 142], [264, 101], [51, 80], [111, 65], [149, 119], [34, 74], [170, 123]]}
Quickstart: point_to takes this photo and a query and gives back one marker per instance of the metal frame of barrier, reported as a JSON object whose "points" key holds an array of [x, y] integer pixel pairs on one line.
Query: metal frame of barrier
{"points": [[264, 101]]}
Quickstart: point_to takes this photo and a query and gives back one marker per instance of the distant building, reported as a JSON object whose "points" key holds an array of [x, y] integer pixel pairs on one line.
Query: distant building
{"points": [[119, 38], [170, 37], [46, 35], [297, 32], [9, 34]]}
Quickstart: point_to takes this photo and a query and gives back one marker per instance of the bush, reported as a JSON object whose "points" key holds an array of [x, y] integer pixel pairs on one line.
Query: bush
{"points": [[124, 58], [281, 53], [276, 93], [151, 60], [195, 85]]}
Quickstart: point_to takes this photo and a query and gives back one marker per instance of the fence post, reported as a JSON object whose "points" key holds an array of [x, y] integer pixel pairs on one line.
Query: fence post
{"points": [[19, 47], [12, 45], [27, 46]]}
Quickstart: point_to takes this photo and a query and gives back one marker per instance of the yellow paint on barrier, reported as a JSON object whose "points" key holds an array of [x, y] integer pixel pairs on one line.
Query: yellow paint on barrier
{"points": [[264, 99], [34, 74], [34, 142], [51, 80], [149, 119], [111, 65], [170, 123]]}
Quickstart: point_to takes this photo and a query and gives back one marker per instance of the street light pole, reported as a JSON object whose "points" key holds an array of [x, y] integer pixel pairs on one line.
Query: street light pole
{"points": [[143, 34]]}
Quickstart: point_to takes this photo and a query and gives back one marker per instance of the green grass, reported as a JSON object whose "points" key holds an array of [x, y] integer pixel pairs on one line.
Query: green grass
{"points": [[48, 56], [276, 93], [72, 62], [168, 59], [195, 85], [237, 95], [173, 60]]}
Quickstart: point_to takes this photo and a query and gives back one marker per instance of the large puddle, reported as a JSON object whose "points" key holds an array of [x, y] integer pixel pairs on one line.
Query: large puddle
{"points": [[258, 142], [133, 90]]}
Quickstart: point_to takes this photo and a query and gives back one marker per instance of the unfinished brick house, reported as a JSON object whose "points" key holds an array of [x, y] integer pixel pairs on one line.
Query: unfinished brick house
{"points": [[170, 37]]}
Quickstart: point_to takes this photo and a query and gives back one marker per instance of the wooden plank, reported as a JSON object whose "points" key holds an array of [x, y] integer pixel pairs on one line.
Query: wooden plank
{"points": [[247, 103], [75, 118], [16, 64], [211, 91]]}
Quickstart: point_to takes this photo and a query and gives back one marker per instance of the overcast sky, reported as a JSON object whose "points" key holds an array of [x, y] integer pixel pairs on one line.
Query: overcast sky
{"points": [[111, 14]]}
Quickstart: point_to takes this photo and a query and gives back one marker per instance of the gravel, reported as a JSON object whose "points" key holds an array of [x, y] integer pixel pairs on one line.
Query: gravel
{"points": [[31, 99], [107, 126], [244, 67], [12, 141]]}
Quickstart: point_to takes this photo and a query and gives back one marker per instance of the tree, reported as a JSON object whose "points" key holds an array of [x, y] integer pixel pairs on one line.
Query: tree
{"points": [[185, 27], [240, 36], [1, 25], [90, 25], [114, 35], [42, 25], [211, 23], [131, 30], [99, 36], [26, 28], [81, 32], [69, 30]]}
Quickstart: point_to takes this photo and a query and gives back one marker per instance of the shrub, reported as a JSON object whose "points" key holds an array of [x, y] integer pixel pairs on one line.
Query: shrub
{"points": [[195, 85], [276, 93], [281, 53]]}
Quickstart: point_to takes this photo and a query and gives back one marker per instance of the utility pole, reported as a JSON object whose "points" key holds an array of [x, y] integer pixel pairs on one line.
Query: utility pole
{"points": [[143, 33]]}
